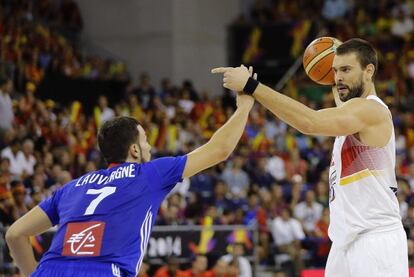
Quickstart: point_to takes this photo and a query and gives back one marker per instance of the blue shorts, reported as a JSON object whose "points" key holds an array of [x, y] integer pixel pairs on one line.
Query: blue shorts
{"points": [[77, 268]]}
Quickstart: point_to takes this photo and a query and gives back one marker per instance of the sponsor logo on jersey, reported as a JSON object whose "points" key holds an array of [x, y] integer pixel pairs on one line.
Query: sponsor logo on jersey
{"points": [[332, 183], [394, 190], [83, 238]]}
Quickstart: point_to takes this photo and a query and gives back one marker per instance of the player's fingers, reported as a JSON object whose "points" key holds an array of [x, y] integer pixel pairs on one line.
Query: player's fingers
{"points": [[225, 80], [251, 70], [220, 69], [226, 85], [255, 76]]}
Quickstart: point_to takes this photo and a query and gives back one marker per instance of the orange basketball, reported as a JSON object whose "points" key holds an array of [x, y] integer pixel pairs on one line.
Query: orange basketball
{"points": [[318, 58]]}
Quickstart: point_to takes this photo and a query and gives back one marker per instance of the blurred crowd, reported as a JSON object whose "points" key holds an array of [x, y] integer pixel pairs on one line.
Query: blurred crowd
{"points": [[387, 24], [230, 265], [38, 38], [276, 179]]}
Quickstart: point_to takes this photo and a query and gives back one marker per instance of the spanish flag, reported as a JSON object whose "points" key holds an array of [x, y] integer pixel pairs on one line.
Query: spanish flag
{"points": [[75, 111], [300, 32], [252, 51], [207, 242]]}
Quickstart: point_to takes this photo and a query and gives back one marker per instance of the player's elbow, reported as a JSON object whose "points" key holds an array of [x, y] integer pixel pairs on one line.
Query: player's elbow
{"points": [[224, 152], [227, 152], [306, 130], [15, 232], [12, 235]]}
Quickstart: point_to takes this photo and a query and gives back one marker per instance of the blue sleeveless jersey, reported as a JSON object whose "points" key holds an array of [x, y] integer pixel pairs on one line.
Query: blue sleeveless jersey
{"points": [[106, 216]]}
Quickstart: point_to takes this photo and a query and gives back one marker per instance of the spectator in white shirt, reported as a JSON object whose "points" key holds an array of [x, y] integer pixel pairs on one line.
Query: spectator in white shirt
{"points": [[402, 26], [287, 234], [6, 107], [10, 152], [276, 165], [185, 102], [26, 159], [245, 269], [106, 112], [308, 212]]}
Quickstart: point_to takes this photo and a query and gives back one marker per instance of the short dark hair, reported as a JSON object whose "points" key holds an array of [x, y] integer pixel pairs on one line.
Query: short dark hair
{"points": [[365, 52], [116, 136]]}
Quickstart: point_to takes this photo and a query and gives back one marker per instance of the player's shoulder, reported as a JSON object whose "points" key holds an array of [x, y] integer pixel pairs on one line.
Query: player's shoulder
{"points": [[166, 160], [366, 102], [367, 107]]}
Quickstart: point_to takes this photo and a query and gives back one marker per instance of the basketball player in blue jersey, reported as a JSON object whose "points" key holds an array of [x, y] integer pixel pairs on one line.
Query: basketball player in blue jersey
{"points": [[365, 224], [105, 217]]}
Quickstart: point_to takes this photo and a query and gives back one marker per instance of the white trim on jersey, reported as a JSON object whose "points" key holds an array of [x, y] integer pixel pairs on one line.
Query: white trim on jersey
{"points": [[376, 98], [145, 233], [116, 271]]}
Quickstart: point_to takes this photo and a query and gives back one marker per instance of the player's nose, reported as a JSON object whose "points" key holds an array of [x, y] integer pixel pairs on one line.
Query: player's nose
{"points": [[338, 78]]}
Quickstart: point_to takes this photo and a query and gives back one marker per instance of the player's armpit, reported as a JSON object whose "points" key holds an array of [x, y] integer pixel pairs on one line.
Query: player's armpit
{"points": [[204, 157], [352, 117]]}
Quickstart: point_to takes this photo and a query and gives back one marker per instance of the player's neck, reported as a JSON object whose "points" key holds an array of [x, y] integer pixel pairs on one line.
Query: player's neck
{"points": [[132, 160], [111, 165], [369, 91]]}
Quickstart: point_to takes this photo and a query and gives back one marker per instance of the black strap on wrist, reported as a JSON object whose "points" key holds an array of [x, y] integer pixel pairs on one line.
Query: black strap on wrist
{"points": [[250, 86]]}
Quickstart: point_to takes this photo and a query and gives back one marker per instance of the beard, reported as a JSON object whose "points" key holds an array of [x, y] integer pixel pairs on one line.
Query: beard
{"points": [[355, 91]]}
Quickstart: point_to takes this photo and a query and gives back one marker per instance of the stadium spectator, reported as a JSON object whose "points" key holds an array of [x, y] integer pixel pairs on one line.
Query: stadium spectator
{"points": [[6, 107], [334, 9], [323, 242], [26, 159], [144, 91], [308, 212], [287, 234], [103, 111], [237, 254], [11, 153], [236, 178], [171, 269], [198, 267], [275, 165]]}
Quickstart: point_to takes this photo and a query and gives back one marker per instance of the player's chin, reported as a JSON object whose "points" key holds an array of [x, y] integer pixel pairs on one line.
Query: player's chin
{"points": [[343, 96]]}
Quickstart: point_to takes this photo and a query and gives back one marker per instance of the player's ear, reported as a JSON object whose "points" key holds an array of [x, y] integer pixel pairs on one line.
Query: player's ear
{"points": [[134, 151], [370, 69]]}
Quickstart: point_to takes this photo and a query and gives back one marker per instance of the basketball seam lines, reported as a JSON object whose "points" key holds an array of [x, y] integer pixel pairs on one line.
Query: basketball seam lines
{"points": [[332, 44], [325, 75], [314, 61]]}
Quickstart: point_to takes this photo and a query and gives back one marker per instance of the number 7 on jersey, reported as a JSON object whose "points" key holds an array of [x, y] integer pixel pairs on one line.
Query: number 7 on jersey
{"points": [[103, 193]]}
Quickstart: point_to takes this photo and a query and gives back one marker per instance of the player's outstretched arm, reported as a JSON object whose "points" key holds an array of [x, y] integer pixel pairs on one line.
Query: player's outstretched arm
{"points": [[349, 118], [223, 142], [352, 117], [33, 223]]}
